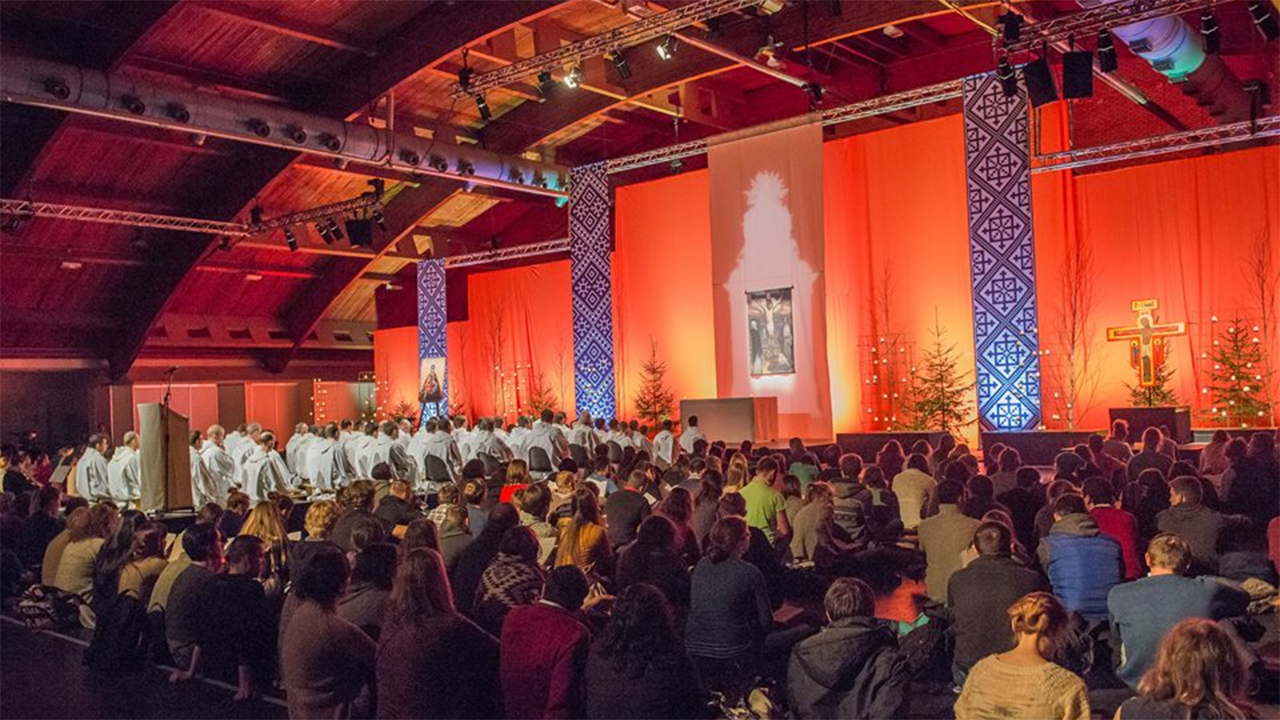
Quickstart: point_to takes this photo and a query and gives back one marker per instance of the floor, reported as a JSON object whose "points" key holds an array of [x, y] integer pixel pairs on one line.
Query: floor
{"points": [[43, 676]]}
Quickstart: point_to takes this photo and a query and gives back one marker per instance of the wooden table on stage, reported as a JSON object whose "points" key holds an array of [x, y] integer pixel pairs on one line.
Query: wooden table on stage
{"points": [[735, 419]]}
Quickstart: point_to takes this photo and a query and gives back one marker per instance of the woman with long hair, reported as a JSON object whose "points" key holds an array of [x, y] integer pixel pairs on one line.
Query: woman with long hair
{"points": [[1024, 683], [637, 667], [583, 541], [706, 503], [738, 474], [424, 636], [512, 578], [1198, 674], [146, 560], [891, 459], [420, 533], [652, 559], [677, 507], [264, 522], [113, 556]]}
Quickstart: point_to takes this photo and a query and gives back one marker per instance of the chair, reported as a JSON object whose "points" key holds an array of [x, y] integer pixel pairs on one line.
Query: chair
{"points": [[540, 463], [579, 455], [437, 471], [490, 463], [615, 452]]}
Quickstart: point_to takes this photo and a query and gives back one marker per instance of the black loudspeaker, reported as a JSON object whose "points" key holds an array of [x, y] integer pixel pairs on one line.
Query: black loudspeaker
{"points": [[1039, 80], [360, 232], [1077, 74]]}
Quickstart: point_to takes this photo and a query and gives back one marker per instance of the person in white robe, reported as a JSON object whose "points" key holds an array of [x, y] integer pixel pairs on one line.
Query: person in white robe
{"points": [[439, 443], [582, 433], [386, 449], [518, 439], [561, 423], [265, 472], [355, 446], [502, 431], [231, 443], [124, 472], [461, 436], [300, 434], [313, 437], [690, 435], [485, 441], [93, 483], [328, 464], [548, 437], [247, 447], [640, 436], [665, 448], [218, 462], [203, 488]]}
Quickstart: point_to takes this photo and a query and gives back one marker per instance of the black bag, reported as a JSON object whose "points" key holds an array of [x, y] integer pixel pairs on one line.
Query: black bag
{"points": [[120, 636], [44, 607]]}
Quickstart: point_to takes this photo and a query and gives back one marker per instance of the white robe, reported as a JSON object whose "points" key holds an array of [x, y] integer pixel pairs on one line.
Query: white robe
{"points": [[688, 438], [302, 464], [488, 442], [329, 467], [92, 479], [664, 447], [585, 436], [242, 452], [204, 489], [124, 477], [222, 469], [265, 473], [291, 449], [355, 448], [643, 443], [441, 445], [518, 441], [549, 438]]}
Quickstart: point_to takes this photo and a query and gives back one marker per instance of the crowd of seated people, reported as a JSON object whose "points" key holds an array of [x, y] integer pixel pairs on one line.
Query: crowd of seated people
{"points": [[922, 582]]}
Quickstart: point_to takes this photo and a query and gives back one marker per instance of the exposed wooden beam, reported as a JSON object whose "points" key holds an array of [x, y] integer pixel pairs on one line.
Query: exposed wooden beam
{"points": [[293, 28], [204, 80]]}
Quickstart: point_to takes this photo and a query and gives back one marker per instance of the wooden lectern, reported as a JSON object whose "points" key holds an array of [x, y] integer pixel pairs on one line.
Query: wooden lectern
{"points": [[165, 460]]}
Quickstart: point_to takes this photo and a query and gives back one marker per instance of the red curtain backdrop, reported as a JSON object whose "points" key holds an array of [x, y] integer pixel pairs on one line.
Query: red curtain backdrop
{"points": [[395, 370], [518, 336]]}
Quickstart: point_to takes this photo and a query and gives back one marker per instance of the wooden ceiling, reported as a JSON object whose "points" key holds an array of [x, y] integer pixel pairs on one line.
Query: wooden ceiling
{"points": [[102, 291]]}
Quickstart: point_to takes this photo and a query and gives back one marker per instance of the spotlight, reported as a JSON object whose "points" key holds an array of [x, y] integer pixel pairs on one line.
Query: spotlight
{"points": [[516, 176], [360, 231], [259, 128], [134, 105], [57, 88], [1008, 79], [1264, 19], [1011, 22], [297, 134], [676, 166], [1209, 31], [379, 219], [546, 83], [620, 64], [291, 240], [667, 48], [437, 163], [465, 167], [330, 142], [1106, 52], [255, 215], [1039, 80], [483, 107], [574, 77], [179, 112], [1077, 74], [334, 230], [815, 94], [324, 233], [464, 79], [410, 157]]}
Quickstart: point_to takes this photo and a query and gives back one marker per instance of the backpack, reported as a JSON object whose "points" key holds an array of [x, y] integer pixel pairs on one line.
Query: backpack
{"points": [[120, 636], [44, 607]]}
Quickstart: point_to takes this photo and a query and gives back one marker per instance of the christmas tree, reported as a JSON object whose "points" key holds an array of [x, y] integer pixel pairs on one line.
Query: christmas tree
{"points": [[655, 402], [540, 395], [939, 392], [1237, 380], [1158, 395]]}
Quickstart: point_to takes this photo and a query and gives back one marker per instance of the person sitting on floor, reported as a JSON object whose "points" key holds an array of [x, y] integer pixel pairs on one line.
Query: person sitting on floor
{"points": [[1198, 673], [544, 649], [1082, 563]]}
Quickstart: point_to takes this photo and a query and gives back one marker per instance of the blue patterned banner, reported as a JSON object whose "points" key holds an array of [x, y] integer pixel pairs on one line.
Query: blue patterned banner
{"points": [[433, 339], [591, 233], [1002, 256]]}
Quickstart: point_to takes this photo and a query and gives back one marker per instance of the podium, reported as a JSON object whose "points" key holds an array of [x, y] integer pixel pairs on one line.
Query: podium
{"points": [[165, 458], [735, 419]]}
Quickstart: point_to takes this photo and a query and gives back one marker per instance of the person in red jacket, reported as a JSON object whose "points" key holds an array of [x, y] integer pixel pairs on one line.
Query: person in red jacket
{"points": [[544, 651], [1114, 523]]}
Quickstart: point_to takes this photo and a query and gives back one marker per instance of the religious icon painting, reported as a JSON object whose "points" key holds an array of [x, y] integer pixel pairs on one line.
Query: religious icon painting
{"points": [[430, 388], [770, 332]]}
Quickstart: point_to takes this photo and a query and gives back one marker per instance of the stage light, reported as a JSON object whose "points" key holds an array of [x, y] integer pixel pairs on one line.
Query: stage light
{"points": [[1209, 31], [573, 78], [297, 135], [1039, 79], [410, 157], [324, 233], [465, 168], [134, 105], [483, 107], [179, 113], [1106, 52], [667, 48], [814, 91], [437, 163], [380, 219], [1007, 77], [57, 88], [334, 230], [715, 27], [224, 243], [330, 142], [676, 166], [291, 240], [1077, 74], [546, 83], [464, 79], [620, 64], [1011, 22], [1264, 19], [360, 231], [259, 128]]}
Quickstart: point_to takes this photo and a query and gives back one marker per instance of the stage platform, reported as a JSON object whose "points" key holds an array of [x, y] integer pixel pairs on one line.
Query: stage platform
{"points": [[867, 444], [1038, 447]]}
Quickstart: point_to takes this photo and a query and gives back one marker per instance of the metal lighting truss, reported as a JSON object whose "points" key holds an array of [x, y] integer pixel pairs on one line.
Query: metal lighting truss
{"points": [[949, 90], [31, 208], [1088, 22], [648, 28], [1215, 136], [518, 252]]}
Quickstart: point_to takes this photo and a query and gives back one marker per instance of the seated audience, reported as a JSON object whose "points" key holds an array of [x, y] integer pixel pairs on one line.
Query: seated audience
{"points": [[512, 578], [544, 651], [236, 632], [1115, 523], [637, 668], [1006, 477], [425, 639], [1143, 611], [1082, 563], [145, 562], [943, 537], [76, 566], [42, 526], [979, 497], [706, 503], [913, 487], [677, 507], [1117, 445], [1150, 458], [766, 507], [420, 533], [890, 459], [1024, 502], [626, 509], [77, 527], [583, 542], [1044, 516], [1202, 528], [813, 529], [1197, 673], [182, 603], [317, 526], [981, 593], [397, 509], [447, 497], [1146, 499], [326, 661], [356, 500], [472, 560], [1024, 683], [364, 604], [652, 559], [852, 668]]}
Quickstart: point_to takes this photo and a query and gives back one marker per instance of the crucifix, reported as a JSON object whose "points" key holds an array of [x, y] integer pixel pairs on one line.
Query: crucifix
{"points": [[1146, 340]]}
